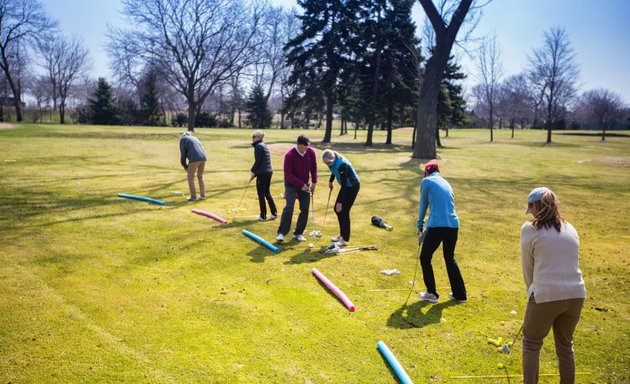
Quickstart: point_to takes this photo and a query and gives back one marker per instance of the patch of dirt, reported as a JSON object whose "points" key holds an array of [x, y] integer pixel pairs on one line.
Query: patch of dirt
{"points": [[279, 148], [5, 125], [623, 162]]}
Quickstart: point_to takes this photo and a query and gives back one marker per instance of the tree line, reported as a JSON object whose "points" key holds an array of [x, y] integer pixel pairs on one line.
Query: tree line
{"points": [[232, 62]]}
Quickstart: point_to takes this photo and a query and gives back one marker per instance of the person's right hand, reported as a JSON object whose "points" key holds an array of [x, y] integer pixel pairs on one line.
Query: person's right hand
{"points": [[305, 188], [330, 185]]}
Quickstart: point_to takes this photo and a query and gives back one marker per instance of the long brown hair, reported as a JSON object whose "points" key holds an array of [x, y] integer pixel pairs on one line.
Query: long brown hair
{"points": [[547, 214]]}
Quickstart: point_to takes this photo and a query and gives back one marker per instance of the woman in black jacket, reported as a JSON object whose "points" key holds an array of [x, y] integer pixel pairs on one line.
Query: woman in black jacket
{"points": [[262, 171]]}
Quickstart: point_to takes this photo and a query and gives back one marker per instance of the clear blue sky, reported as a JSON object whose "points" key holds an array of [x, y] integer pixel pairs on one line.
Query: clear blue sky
{"points": [[599, 33]]}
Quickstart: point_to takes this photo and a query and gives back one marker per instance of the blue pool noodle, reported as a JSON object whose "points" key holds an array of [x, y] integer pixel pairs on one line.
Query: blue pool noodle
{"points": [[391, 359], [261, 241], [142, 198]]}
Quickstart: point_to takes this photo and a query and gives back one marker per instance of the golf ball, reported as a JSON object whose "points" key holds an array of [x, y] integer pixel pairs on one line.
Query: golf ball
{"points": [[499, 366]]}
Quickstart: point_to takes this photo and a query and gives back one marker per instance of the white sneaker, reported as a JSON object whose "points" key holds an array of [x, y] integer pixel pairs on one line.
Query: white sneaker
{"points": [[259, 218], [299, 238], [341, 243], [336, 238], [272, 217], [280, 237], [426, 296]]}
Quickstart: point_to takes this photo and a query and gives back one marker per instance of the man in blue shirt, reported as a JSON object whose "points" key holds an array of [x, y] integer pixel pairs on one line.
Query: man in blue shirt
{"points": [[442, 227]]}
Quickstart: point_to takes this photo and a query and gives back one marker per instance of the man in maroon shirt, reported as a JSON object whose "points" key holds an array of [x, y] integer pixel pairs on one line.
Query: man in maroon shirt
{"points": [[300, 164]]}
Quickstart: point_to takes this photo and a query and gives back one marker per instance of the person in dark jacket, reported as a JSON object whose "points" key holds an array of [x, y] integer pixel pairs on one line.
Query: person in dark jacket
{"points": [[262, 171], [342, 170], [191, 149]]}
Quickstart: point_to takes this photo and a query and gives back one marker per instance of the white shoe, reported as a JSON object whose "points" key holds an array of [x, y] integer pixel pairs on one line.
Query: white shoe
{"points": [[299, 238], [336, 238], [342, 243], [429, 297], [259, 218], [280, 237], [272, 217]]}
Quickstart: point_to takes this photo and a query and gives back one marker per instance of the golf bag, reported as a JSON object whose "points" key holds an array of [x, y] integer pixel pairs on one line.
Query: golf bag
{"points": [[377, 221]]}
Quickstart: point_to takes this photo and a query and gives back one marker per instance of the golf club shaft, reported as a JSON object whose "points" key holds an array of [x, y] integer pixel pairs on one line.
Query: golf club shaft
{"points": [[244, 192], [327, 206]]}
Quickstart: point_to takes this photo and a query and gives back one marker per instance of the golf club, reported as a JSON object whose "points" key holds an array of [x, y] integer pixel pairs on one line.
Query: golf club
{"points": [[327, 205], [414, 277], [334, 249], [505, 348], [313, 233], [241, 201]]}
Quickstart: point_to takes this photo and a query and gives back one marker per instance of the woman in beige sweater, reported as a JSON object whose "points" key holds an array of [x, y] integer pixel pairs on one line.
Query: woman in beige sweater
{"points": [[555, 288]]}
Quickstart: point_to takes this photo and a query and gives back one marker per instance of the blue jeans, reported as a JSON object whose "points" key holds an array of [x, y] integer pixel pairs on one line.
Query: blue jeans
{"points": [[291, 192]]}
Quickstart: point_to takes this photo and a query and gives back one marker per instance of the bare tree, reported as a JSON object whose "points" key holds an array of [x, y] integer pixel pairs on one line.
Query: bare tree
{"points": [[65, 61], [517, 100], [602, 106], [445, 34], [555, 74], [490, 74], [197, 44], [22, 23]]}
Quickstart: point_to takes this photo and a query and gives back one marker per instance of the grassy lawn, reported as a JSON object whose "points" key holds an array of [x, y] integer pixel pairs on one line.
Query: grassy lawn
{"points": [[98, 289]]}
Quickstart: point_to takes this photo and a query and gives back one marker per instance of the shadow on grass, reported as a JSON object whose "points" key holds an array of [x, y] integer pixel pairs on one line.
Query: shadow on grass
{"points": [[308, 255], [413, 315]]}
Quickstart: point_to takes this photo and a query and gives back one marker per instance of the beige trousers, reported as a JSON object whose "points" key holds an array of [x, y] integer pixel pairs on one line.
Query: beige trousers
{"points": [[562, 316], [196, 167]]}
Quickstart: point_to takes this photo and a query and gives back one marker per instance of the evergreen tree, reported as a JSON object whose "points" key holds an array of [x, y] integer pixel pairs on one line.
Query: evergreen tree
{"points": [[401, 63], [104, 109], [451, 107], [258, 112], [150, 111], [319, 52]]}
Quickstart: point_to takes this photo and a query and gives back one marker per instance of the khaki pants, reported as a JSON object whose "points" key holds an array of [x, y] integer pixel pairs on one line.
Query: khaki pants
{"points": [[563, 316], [196, 167]]}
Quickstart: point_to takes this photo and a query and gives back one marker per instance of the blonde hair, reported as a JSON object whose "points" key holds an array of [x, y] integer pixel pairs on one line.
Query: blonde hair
{"points": [[258, 134], [329, 154], [547, 212]]}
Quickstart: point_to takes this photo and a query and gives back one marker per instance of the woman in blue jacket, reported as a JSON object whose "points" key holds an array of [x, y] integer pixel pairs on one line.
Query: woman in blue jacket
{"points": [[437, 195], [342, 170]]}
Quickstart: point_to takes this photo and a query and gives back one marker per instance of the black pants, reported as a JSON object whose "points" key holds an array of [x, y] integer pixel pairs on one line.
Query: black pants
{"points": [[346, 204], [291, 192], [262, 187], [448, 238]]}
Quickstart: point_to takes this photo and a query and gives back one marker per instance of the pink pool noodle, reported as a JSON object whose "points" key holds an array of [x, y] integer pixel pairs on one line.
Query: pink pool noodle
{"points": [[210, 215], [334, 289]]}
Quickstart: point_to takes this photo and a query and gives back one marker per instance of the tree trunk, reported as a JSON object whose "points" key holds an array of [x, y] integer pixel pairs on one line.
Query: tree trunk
{"points": [[191, 115], [426, 120], [62, 113], [390, 117], [329, 116], [426, 117]]}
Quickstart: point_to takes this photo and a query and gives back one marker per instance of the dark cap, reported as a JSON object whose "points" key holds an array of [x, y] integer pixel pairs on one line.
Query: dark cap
{"points": [[303, 139]]}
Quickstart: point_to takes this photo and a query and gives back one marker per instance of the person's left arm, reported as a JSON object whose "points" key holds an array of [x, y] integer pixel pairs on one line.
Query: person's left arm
{"points": [[313, 169], [259, 154], [527, 253], [424, 203], [182, 151]]}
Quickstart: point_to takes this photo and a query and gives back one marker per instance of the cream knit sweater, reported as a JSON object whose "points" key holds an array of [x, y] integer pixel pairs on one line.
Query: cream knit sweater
{"points": [[551, 263]]}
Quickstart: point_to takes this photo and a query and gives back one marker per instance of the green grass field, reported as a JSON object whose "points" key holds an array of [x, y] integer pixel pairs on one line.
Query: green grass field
{"points": [[99, 289]]}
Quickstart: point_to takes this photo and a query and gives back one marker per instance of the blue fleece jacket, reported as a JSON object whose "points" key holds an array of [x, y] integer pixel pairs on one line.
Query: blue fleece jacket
{"points": [[436, 192]]}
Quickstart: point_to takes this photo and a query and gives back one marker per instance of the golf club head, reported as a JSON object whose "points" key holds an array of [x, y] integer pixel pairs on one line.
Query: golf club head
{"points": [[505, 349]]}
